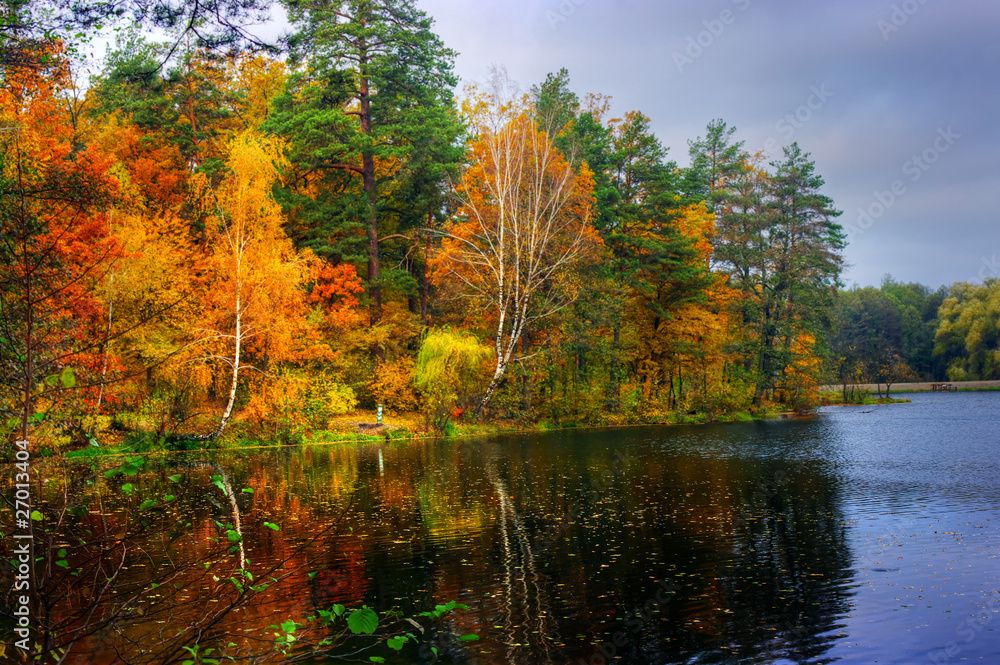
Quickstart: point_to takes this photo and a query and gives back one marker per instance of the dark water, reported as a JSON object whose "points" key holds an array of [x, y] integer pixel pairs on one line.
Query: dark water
{"points": [[863, 535]]}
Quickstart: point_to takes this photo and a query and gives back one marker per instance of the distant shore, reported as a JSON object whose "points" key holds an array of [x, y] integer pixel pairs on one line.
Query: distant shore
{"points": [[918, 387]]}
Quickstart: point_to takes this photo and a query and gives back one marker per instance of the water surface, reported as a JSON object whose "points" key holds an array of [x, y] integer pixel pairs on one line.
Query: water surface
{"points": [[861, 535]]}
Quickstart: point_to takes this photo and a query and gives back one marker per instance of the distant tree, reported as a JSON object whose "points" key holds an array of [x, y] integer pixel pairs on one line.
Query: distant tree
{"points": [[970, 331]]}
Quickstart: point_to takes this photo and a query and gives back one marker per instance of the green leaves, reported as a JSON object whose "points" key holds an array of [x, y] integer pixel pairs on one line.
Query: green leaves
{"points": [[217, 481], [67, 378], [362, 622], [440, 610]]}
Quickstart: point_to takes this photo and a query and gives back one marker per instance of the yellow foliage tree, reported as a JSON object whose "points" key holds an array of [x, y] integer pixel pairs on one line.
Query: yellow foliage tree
{"points": [[256, 298]]}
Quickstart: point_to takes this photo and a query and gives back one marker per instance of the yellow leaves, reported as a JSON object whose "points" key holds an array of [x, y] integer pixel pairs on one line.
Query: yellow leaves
{"points": [[393, 386], [256, 80], [257, 273]]}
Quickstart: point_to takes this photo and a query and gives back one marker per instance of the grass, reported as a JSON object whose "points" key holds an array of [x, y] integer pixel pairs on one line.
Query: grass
{"points": [[405, 426]]}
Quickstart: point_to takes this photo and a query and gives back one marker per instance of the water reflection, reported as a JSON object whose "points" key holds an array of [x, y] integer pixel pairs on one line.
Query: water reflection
{"points": [[711, 544]]}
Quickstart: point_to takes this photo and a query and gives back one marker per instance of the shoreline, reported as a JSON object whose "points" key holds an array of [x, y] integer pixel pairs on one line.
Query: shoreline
{"points": [[918, 387], [403, 429]]}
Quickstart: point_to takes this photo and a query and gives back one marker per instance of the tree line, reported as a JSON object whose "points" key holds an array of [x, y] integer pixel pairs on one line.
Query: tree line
{"points": [[194, 238]]}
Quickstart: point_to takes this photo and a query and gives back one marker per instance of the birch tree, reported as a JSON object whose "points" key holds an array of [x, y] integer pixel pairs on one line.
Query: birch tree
{"points": [[256, 296], [523, 223]]}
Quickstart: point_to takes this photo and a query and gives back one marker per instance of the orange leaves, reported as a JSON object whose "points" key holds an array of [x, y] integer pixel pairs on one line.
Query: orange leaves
{"points": [[257, 275], [153, 170], [335, 289]]}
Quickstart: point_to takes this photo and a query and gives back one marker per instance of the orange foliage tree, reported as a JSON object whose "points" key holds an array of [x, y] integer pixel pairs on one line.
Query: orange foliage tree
{"points": [[523, 224], [55, 247], [257, 296]]}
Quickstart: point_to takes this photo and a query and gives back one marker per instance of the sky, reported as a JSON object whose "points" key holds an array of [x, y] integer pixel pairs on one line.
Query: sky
{"points": [[897, 101]]}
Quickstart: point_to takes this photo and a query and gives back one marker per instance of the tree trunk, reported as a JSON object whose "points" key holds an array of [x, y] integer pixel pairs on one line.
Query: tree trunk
{"points": [[424, 281], [107, 350], [371, 196], [494, 384], [613, 388], [227, 413]]}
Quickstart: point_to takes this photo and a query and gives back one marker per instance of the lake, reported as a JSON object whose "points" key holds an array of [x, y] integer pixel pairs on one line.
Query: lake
{"points": [[861, 535]]}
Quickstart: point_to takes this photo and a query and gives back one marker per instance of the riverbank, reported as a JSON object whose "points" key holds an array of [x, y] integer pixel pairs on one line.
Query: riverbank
{"points": [[916, 387], [836, 398], [361, 426]]}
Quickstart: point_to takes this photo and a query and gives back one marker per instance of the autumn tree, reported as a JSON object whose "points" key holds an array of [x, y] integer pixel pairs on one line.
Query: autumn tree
{"points": [[257, 296], [56, 247], [968, 334], [368, 117], [524, 222], [446, 372], [778, 244]]}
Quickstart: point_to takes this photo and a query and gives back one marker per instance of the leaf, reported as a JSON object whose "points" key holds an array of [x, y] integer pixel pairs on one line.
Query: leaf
{"points": [[272, 527], [35, 515], [175, 478], [471, 637], [128, 488], [338, 609], [62, 563], [396, 643], [362, 622], [289, 626], [247, 490], [148, 503], [111, 473], [61, 553], [67, 378]]}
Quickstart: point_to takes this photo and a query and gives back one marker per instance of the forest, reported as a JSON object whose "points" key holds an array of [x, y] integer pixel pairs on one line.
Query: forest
{"points": [[208, 243]]}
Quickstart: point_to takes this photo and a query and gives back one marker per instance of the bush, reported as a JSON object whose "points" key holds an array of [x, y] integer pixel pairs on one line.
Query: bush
{"points": [[393, 385], [448, 371]]}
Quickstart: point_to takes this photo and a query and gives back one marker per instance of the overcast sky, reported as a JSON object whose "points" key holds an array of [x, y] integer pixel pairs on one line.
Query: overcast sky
{"points": [[865, 86]]}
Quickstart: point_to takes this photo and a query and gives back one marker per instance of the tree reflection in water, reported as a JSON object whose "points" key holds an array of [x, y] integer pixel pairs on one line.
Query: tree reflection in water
{"points": [[564, 548]]}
